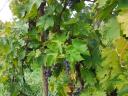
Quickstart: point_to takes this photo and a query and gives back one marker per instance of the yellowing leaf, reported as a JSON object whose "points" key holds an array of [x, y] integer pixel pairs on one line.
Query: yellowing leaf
{"points": [[38, 52], [123, 20], [101, 2], [4, 79], [51, 86], [67, 89], [73, 76], [110, 66], [121, 47]]}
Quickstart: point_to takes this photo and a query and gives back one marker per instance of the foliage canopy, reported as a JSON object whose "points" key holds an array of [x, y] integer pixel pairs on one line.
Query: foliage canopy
{"points": [[65, 48]]}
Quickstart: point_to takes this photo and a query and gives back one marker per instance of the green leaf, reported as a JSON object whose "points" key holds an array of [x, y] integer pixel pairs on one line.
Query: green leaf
{"points": [[73, 55], [51, 58], [112, 30], [41, 21], [50, 2], [71, 21], [32, 3], [45, 22], [32, 13], [123, 91], [88, 76], [79, 6], [123, 4], [48, 23], [50, 9], [105, 13], [101, 3], [79, 45], [93, 92]]}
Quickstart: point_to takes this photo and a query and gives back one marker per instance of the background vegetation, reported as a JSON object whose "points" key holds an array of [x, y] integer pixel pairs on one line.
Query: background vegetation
{"points": [[65, 48]]}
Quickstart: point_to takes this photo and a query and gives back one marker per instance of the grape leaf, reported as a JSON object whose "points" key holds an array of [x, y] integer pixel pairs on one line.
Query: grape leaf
{"points": [[123, 20], [101, 3], [111, 30]]}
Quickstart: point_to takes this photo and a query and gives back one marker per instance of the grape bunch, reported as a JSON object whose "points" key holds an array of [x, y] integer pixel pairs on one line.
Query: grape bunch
{"points": [[67, 66], [48, 72], [69, 40], [77, 92], [71, 2]]}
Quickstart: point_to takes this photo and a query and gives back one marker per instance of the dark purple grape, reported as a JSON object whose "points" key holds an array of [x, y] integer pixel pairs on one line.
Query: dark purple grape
{"points": [[72, 2], [77, 92], [48, 72], [69, 41], [67, 66]]}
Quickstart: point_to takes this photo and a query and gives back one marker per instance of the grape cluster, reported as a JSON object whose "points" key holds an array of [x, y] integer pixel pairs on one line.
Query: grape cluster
{"points": [[71, 2], [67, 66], [77, 92], [69, 40], [48, 72]]}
